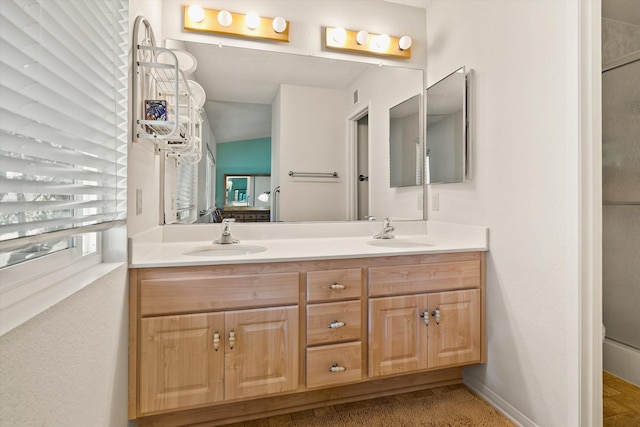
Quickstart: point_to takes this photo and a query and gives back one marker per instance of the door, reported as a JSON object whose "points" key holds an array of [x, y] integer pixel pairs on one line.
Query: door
{"points": [[454, 328], [398, 335], [362, 168], [180, 364], [261, 352]]}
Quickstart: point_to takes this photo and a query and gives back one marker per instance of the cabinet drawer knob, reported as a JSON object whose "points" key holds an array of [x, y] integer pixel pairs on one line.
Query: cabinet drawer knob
{"points": [[335, 286], [216, 340], [436, 313], [336, 368], [336, 324], [232, 339]]}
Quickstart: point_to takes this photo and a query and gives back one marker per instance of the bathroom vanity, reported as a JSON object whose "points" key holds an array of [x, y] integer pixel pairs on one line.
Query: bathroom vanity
{"points": [[306, 323]]}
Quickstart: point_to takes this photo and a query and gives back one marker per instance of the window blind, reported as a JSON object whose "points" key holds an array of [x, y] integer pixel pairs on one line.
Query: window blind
{"points": [[187, 183], [63, 118]]}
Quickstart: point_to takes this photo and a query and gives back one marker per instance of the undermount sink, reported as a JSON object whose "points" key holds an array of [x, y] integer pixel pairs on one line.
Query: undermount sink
{"points": [[226, 250], [398, 243]]}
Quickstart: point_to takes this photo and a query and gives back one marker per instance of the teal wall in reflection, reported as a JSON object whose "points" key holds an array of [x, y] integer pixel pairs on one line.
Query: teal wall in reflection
{"points": [[241, 158]]}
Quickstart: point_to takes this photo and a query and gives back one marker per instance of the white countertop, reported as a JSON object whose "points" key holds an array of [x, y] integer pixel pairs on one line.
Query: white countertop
{"points": [[168, 246]]}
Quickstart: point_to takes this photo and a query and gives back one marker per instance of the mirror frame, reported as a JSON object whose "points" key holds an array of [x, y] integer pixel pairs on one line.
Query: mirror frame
{"points": [[463, 126]]}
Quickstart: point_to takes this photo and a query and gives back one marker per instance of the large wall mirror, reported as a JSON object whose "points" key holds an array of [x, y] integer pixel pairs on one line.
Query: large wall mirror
{"points": [[273, 113], [447, 133]]}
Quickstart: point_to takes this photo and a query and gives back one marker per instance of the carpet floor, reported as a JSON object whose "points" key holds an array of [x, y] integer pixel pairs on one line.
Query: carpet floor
{"points": [[443, 406]]}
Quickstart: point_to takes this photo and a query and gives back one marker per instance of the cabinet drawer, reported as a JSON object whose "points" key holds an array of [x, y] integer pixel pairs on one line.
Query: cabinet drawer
{"points": [[320, 360], [321, 316], [408, 279], [333, 285], [197, 294]]}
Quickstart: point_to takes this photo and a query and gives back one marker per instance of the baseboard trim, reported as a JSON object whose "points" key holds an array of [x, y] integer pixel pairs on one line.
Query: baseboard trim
{"points": [[621, 360], [498, 403]]}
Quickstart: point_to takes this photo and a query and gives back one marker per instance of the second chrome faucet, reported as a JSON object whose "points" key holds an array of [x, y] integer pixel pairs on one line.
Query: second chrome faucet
{"points": [[387, 230]]}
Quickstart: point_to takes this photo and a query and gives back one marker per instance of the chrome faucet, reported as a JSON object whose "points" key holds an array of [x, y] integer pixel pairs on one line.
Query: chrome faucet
{"points": [[226, 238], [387, 230]]}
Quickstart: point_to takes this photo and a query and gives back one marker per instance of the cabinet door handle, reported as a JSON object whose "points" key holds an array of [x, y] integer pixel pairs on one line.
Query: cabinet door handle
{"points": [[232, 339], [436, 313], [335, 286], [336, 324], [216, 340], [336, 368], [425, 316]]}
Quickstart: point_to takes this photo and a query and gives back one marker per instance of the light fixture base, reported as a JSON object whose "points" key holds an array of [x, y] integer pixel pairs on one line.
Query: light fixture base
{"points": [[237, 27], [370, 47]]}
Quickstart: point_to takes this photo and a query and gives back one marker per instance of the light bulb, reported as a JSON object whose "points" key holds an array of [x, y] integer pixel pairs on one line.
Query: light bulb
{"points": [[252, 20], [224, 18], [279, 24], [196, 13], [405, 42], [339, 34], [362, 37], [382, 41]]}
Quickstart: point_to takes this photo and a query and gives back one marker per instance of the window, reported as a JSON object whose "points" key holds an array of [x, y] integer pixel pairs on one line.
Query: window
{"points": [[63, 129]]}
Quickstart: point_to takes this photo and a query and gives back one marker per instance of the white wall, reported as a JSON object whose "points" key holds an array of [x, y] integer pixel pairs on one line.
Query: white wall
{"points": [[68, 365], [311, 139], [307, 17], [143, 164], [524, 114]]}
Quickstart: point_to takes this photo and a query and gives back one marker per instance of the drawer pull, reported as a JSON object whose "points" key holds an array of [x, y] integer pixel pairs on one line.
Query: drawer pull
{"points": [[216, 340], [335, 286], [336, 324], [436, 313], [336, 368], [232, 339], [425, 316]]}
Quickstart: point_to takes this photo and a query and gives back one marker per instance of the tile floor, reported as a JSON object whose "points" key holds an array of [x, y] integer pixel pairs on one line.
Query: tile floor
{"points": [[621, 402]]}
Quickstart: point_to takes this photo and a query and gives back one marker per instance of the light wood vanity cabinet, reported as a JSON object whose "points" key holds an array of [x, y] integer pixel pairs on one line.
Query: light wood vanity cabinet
{"points": [[224, 343], [334, 329], [231, 351], [424, 330]]}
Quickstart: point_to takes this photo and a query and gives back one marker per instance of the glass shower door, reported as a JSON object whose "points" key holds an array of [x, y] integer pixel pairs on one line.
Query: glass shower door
{"points": [[621, 202]]}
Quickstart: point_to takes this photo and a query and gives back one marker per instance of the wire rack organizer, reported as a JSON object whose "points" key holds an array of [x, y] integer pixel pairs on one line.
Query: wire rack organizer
{"points": [[177, 130]]}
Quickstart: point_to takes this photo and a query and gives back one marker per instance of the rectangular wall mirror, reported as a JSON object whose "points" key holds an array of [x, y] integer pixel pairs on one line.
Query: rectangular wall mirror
{"points": [[404, 143], [268, 112], [247, 190], [447, 133]]}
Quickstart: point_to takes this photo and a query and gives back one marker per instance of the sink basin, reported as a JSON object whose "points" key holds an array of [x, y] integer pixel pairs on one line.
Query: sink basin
{"points": [[226, 250], [399, 243]]}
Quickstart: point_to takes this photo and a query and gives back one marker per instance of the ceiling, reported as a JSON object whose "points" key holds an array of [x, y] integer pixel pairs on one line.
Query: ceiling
{"points": [[241, 83]]}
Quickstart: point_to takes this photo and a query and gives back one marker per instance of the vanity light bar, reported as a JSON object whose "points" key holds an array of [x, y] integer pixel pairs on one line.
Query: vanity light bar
{"points": [[238, 24], [374, 44]]}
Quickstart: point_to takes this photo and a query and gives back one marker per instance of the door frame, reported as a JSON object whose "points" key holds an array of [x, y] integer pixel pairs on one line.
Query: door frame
{"points": [[352, 159]]}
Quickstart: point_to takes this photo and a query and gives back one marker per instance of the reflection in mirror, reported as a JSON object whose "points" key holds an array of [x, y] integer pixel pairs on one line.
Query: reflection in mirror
{"points": [[247, 190], [404, 143], [447, 129], [280, 112]]}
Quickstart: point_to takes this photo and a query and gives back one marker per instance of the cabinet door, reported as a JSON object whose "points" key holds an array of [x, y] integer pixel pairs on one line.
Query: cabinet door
{"points": [[455, 339], [180, 366], [262, 357], [397, 335]]}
